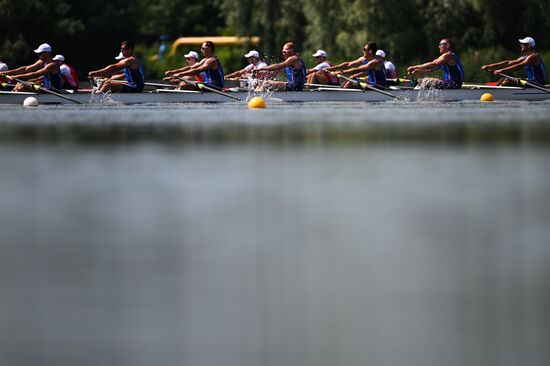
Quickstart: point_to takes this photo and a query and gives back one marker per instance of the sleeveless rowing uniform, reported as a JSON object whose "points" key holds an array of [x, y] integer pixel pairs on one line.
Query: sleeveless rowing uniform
{"points": [[453, 76], [376, 77], [52, 81], [69, 77], [536, 73], [214, 77], [296, 76], [135, 80]]}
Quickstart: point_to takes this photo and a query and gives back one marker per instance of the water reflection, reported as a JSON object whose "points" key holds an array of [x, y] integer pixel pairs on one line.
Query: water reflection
{"points": [[262, 243]]}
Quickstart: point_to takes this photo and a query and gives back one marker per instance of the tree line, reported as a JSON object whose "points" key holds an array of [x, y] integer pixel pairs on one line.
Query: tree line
{"points": [[88, 33]]}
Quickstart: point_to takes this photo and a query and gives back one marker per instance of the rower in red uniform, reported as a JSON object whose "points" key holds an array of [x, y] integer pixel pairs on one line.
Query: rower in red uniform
{"points": [[68, 74], [317, 75]]}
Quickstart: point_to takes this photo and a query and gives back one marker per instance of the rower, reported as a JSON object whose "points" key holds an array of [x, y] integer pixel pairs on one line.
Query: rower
{"points": [[192, 59], [448, 61], [391, 71], [295, 71], [134, 80], [531, 61], [255, 64], [44, 71], [3, 66], [372, 67], [316, 75], [209, 68], [68, 74]]}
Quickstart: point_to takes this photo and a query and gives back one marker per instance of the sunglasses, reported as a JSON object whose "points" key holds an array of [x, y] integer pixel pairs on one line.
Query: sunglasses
{"points": [[442, 44], [205, 48]]}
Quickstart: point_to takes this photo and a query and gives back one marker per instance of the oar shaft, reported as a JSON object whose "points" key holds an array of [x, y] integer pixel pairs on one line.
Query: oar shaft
{"points": [[45, 90], [523, 81], [205, 87], [368, 86], [161, 85]]}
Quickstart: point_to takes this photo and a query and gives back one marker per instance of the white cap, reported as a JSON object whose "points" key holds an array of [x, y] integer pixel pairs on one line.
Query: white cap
{"points": [[192, 54], [320, 53], [119, 57], [59, 58], [528, 40], [252, 54], [44, 47], [381, 53]]}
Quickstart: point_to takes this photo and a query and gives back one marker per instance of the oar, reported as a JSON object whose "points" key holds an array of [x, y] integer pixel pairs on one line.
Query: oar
{"points": [[205, 87], [161, 85], [367, 86], [524, 82], [41, 88]]}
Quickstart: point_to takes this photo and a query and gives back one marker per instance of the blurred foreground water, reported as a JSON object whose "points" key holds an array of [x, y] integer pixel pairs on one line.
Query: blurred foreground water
{"points": [[367, 234]]}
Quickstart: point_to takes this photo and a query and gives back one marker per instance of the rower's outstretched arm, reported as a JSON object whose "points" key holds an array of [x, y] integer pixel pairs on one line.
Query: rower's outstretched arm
{"points": [[348, 64], [175, 71], [515, 65], [429, 66], [235, 74], [111, 69], [23, 69], [37, 74]]}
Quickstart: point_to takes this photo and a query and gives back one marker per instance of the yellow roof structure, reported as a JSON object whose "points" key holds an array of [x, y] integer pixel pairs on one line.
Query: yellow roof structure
{"points": [[218, 41]]}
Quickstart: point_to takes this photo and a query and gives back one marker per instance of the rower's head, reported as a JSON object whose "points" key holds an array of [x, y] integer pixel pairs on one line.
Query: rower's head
{"points": [[369, 50], [289, 50], [445, 45], [59, 59], [320, 56], [44, 52], [253, 57], [527, 44], [192, 57], [381, 55], [208, 48], [127, 48]]}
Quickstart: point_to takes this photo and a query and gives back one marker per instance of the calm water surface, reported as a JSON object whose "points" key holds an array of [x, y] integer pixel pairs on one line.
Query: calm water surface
{"points": [[328, 234]]}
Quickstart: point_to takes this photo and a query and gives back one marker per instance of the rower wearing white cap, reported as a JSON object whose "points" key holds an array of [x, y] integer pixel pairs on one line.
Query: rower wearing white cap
{"points": [[3, 66], [255, 64], [316, 75], [531, 61], [391, 71], [134, 80], [192, 59], [45, 70], [68, 74]]}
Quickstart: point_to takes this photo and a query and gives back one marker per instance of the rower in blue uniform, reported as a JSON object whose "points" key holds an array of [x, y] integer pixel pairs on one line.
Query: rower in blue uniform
{"points": [[448, 61], [134, 77], [531, 61], [294, 67], [44, 71], [209, 68], [372, 67]]}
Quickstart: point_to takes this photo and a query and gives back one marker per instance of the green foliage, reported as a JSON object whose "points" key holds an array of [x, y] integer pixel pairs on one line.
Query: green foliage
{"points": [[89, 33]]}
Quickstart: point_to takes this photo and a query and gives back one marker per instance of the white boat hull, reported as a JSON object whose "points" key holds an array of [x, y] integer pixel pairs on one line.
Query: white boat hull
{"points": [[320, 95]]}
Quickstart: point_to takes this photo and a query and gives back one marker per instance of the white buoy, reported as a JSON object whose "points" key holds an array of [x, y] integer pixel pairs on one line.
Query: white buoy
{"points": [[30, 102]]}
